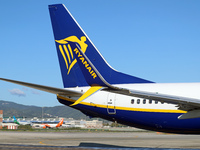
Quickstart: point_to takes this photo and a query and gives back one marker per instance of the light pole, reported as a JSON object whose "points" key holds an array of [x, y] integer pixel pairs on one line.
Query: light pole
{"points": [[42, 114]]}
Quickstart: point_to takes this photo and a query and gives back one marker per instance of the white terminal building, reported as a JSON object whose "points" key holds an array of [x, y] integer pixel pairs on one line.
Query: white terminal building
{"points": [[94, 124]]}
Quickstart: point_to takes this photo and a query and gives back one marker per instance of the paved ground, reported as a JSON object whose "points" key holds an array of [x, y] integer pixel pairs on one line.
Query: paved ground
{"points": [[98, 139]]}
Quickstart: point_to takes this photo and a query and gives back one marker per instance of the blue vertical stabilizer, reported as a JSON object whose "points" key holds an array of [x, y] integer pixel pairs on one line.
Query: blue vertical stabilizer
{"points": [[67, 30]]}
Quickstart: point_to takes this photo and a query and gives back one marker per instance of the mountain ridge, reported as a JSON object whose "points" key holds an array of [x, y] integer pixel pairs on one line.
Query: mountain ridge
{"points": [[11, 109]]}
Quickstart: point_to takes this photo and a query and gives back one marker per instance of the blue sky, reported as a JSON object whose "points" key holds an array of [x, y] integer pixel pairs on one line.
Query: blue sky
{"points": [[155, 40]]}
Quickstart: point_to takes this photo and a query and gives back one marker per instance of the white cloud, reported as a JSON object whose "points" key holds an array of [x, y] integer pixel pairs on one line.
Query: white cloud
{"points": [[17, 92]]}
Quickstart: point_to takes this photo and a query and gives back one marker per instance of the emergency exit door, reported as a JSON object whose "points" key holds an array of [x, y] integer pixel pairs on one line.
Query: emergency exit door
{"points": [[111, 103]]}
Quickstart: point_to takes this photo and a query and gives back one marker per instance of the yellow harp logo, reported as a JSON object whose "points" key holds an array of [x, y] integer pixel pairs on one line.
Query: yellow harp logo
{"points": [[66, 50]]}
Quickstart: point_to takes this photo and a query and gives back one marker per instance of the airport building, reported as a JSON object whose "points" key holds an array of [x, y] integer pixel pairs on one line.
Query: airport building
{"points": [[68, 122], [94, 124]]}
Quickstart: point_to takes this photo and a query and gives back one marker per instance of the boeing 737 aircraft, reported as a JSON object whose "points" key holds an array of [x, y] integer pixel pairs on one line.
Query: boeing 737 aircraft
{"points": [[92, 86]]}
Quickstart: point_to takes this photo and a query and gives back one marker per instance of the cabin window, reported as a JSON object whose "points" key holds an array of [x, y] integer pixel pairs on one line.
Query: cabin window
{"points": [[156, 102], [132, 101], [150, 101], [162, 102], [144, 101], [138, 101]]}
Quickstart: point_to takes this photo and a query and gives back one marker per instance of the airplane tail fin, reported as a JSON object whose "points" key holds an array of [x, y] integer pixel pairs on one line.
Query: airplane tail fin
{"points": [[60, 123], [67, 30], [15, 120]]}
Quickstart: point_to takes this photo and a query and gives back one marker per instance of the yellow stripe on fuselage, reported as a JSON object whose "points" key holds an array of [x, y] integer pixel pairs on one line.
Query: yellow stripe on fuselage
{"points": [[126, 108], [91, 91]]}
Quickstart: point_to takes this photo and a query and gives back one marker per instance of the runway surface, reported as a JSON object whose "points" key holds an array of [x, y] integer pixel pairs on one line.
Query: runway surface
{"points": [[77, 140]]}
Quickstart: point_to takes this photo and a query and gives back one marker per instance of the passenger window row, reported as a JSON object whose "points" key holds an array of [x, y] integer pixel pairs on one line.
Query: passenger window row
{"points": [[144, 101]]}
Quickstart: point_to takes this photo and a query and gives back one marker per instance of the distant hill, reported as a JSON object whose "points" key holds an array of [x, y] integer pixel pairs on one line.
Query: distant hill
{"points": [[11, 108]]}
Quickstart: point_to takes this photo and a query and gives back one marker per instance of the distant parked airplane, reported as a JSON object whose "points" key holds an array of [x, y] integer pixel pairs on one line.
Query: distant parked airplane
{"points": [[21, 122], [92, 86], [45, 125]]}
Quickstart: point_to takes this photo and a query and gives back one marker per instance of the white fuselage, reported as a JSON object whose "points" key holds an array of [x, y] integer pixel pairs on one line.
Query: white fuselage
{"points": [[188, 90]]}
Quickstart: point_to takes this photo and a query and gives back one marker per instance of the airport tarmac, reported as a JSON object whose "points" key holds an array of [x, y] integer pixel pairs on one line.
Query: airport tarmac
{"points": [[65, 140]]}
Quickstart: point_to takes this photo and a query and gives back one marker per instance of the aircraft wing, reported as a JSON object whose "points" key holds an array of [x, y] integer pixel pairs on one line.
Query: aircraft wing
{"points": [[46, 88]]}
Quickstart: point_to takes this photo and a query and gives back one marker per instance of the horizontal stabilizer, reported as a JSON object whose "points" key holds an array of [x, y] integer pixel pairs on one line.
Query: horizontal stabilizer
{"points": [[49, 89], [190, 114]]}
